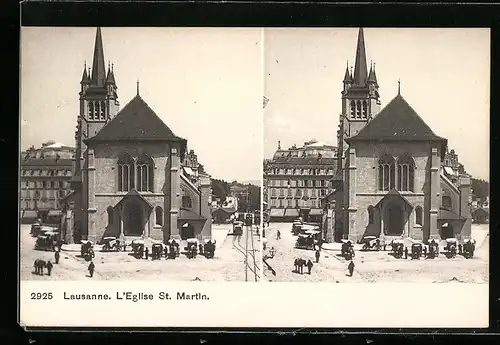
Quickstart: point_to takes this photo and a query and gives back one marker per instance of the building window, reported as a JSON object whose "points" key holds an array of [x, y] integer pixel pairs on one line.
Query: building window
{"points": [[313, 192], [358, 109], [323, 192], [281, 203], [144, 172], [37, 194], [313, 203], [386, 173], [125, 173], [110, 215], [365, 109], [406, 169], [91, 110], [370, 214], [282, 193], [446, 202], [61, 194], [187, 202], [158, 216], [298, 192], [296, 202], [101, 110], [289, 192], [273, 192], [289, 202], [418, 215], [353, 109]]}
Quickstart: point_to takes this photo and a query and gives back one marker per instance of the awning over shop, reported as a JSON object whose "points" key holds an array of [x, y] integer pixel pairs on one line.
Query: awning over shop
{"points": [[54, 213], [291, 212], [29, 214], [277, 212], [316, 212]]}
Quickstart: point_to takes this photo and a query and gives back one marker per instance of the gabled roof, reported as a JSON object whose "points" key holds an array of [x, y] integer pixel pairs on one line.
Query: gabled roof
{"points": [[445, 214], [188, 215], [134, 194], [397, 121], [135, 122], [393, 193], [484, 209]]}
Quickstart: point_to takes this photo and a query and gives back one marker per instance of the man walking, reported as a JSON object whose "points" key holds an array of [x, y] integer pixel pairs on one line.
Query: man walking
{"points": [[317, 254], [147, 253], [351, 268], [278, 235], [49, 268], [56, 256], [309, 266], [91, 269], [406, 252]]}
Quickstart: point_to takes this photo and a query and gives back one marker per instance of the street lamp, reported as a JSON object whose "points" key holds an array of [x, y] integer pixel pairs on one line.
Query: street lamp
{"points": [[272, 251]]}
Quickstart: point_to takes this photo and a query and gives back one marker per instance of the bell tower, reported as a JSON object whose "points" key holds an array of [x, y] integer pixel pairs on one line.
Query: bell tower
{"points": [[360, 97]]}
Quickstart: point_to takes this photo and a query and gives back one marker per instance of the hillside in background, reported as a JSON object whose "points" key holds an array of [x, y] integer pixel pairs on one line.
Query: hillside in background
{"points": [[221, 189], [480, 188]]}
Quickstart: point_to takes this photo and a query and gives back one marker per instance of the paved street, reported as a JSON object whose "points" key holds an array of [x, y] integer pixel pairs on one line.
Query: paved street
{"points": [[228, 264], [375, 266]]}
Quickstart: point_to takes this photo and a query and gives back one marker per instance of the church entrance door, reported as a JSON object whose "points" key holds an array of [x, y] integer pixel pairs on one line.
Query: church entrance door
{"points": [[394, 220], [187, 231], [133, 224], [446, 231]]}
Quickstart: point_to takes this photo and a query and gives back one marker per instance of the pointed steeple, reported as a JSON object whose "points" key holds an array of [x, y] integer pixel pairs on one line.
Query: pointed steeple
{"points": [[372, 76], [85, 76], [360, 69], [110, 78], [347, 75], [98, 76]]}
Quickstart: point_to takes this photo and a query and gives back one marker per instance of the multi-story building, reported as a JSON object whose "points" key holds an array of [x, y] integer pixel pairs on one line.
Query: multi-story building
{"points": [[297, 179], [45, 175], [391, 182]]}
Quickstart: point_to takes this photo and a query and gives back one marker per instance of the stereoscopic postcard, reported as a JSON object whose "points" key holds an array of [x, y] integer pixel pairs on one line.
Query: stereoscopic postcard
{"points": [[248, 171]]}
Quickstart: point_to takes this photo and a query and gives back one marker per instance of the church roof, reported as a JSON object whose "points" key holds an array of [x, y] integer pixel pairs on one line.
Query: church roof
{"points": [[135, 122], [397, 121]]}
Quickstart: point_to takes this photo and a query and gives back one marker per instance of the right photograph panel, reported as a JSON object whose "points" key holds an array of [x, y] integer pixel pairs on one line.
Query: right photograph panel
{"points": [[376, 147]]}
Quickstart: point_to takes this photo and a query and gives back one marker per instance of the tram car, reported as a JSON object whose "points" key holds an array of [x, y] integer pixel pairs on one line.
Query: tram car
{"points": [[469, 247], [238, 228], [46, 241]]}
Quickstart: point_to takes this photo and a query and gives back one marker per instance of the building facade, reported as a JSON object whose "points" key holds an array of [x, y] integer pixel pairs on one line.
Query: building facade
{"points": [[132, 176], [390, 181], [45, 176], [297, 179]]}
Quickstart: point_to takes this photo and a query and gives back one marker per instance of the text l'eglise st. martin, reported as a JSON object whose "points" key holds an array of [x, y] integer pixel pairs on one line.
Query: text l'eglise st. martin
{"points": [[136, 297]]}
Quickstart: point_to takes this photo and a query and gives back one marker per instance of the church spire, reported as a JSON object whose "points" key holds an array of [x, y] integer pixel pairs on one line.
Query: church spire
{"points": [[85, 76], [372, 76], [360, 69], [347, 75], [98, 76]]}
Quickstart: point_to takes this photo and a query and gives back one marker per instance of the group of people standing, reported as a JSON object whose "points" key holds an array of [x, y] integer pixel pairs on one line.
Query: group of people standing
{"points": [[40, 265]]}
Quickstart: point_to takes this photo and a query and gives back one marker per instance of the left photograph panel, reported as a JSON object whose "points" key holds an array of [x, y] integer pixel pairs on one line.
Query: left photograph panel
{"points": [[141, 154]]}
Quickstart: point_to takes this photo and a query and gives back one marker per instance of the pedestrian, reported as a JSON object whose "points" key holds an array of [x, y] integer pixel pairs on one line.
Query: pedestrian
{"points": [[146, 253], [91, 269], [425, 251], [302, 262], [406, 252], [166, 252], [41, 265], [460, 248], [351, 268], [309, 266], [36, 266], [49, 268], [296, 265], [278, 235], [56, 256], [317, 254]]}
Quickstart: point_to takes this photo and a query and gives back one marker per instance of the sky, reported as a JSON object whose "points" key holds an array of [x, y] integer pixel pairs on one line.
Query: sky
{"points": [[204, 83], [444, 73]]}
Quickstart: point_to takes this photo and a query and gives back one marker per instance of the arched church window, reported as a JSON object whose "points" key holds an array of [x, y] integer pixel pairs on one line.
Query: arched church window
{"points": [[365, 109], [406, 169], [370, 214], [158, 216], [418, 215], [353, 109], [125, 173], [110, 215], [187, 202], [386, 173], [358, 109], [144, 168], [91, 110], [101, 110]]}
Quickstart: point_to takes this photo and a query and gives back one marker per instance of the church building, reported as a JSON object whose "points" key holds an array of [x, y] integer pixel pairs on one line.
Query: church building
{"points": [[129, 179], [390, 182]]}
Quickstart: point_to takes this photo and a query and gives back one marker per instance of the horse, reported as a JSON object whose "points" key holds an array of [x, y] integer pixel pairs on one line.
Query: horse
{"points": [[39, 266]]}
